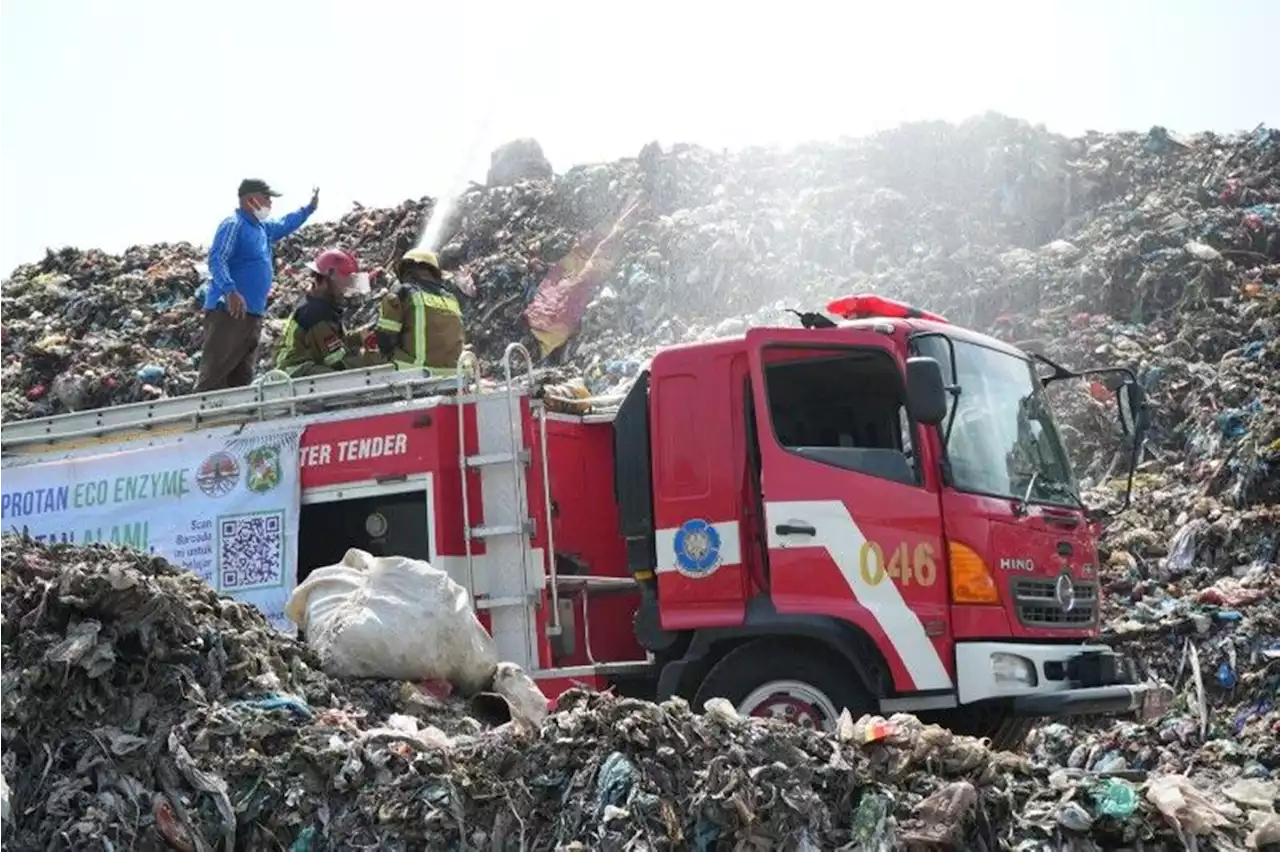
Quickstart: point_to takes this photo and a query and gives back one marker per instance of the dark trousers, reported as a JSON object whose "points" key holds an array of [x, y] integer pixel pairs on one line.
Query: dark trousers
{"points": [[230, 350]]}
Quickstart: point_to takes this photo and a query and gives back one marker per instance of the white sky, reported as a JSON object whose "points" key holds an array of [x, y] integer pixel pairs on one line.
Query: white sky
{"points": [[131, 121]]}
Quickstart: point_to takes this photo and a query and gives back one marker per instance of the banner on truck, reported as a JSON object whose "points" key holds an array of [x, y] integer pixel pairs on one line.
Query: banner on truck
{"points": [[225, 506]]}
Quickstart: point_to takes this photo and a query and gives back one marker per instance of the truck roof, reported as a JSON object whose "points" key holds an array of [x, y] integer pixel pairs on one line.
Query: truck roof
{"points": [[915, 326], [957, 332]]}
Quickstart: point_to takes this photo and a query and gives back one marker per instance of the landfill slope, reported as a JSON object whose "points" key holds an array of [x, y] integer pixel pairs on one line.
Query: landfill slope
{"points": [[994, 223], [141, 711], [1149, 250]]}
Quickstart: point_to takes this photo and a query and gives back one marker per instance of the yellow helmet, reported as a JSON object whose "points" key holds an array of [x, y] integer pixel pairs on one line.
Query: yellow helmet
{"points": [[418, 255]]}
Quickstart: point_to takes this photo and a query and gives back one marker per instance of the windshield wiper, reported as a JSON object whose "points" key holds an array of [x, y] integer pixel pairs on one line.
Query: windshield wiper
{"points": [[1054, 487], [1020, 507], [1067, 491]]}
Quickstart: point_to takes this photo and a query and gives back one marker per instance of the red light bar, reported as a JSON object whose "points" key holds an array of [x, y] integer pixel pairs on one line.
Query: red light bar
{"points": [[866, 305]]}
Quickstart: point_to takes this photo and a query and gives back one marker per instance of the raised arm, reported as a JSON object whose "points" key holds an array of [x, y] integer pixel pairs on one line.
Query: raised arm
{"points": [[278, 229]]}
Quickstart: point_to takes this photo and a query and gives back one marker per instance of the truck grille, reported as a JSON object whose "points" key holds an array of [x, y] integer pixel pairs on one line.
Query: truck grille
{"points": [[1037, 604]]}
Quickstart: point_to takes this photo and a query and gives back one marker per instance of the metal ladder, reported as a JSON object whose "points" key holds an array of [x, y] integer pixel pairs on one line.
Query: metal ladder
{"points": [[275, 396], [509, 584]]}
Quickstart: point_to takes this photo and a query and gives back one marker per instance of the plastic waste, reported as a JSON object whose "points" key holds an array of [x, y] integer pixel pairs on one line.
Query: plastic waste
{"points": [[1182, 550], [613, 784], [291, 703], [1074, 817], [1116, 799], [871, 828], [1185, 807], [1253, 793]]}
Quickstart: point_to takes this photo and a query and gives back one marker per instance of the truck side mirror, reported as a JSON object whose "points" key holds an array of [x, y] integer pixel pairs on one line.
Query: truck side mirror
{"points": [[926, 391]]}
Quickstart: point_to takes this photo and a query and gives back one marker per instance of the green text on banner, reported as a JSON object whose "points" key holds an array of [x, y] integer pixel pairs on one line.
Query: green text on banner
{"points": [[224, 505]]}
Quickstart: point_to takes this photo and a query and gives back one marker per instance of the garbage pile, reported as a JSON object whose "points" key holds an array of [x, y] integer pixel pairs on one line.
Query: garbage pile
{"points": [[1148, 250], [517, 160], [996, 224], [142, 711]]}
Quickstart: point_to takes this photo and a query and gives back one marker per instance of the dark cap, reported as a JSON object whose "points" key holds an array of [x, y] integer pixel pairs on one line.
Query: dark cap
{"points": [[253, 186]]}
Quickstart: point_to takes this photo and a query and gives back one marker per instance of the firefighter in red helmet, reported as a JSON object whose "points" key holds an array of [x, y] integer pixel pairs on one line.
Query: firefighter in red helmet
{"points": [[315, 341]]}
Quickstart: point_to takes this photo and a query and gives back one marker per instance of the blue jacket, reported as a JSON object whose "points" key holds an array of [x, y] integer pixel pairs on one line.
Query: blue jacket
{"points": [[240, 259]]}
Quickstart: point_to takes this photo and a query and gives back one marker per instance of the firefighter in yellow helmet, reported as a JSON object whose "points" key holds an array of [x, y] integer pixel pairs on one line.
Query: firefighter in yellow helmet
{"points": [[420, 321]]}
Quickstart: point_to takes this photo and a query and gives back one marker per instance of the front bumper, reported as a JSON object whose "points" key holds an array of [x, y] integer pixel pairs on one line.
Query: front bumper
{"points": [[1144, 699], [1055, 680]]}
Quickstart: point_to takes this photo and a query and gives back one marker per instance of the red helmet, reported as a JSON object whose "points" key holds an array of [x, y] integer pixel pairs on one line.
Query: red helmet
{"points": [[334, 261]]}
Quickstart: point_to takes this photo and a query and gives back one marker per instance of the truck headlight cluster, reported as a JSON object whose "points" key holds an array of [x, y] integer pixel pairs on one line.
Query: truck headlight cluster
{"points": [[1012, 670]]}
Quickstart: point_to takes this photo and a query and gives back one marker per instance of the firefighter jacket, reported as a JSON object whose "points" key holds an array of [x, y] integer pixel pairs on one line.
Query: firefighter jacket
{"points": [[314, 337], [420, 325]]}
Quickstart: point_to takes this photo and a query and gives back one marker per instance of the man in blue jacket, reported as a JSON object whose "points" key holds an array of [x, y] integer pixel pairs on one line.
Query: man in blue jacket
{"points": [[241, 265]]}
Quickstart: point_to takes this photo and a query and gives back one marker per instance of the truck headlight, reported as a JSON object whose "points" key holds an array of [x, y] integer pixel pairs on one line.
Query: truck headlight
{"points": [[1010, 669]]}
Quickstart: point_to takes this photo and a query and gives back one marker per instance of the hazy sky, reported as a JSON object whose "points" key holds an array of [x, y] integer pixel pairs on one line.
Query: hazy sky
{"points": [[133, 120]]}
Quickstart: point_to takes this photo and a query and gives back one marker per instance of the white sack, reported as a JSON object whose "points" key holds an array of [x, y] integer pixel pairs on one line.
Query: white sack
{"points": [[392, 617]]}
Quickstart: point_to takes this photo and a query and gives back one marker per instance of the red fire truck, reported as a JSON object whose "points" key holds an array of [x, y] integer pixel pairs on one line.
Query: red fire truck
{"points": [[874, 513]]}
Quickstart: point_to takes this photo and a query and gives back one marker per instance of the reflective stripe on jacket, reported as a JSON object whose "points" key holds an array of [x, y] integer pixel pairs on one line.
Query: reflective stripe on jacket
{"points": [[313, 334], [425, 327]]}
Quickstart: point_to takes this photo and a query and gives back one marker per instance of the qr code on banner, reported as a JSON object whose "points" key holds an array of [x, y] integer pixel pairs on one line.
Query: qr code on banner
{"points": [[251, 551]]}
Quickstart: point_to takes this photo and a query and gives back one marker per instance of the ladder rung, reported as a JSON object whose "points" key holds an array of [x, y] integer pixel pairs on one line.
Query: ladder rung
{"points": [[497, 458], [502, 529], [501, 603]]}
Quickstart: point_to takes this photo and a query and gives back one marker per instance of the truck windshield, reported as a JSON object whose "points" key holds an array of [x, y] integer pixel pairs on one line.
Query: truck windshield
{"points": [[1003, 439]]}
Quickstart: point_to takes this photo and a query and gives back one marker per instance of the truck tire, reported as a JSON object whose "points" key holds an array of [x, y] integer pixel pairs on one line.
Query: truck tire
{"points": [[1010, 733], [780, 680], [1006, 733]]}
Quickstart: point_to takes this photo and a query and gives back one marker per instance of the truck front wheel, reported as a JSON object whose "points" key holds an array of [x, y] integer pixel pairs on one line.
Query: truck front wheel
{"points": [[802, 684]]}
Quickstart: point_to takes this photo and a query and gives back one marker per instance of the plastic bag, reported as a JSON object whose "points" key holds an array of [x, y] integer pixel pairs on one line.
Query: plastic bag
{"points": [[1117, 799], [1186, 808], [393, 617], [1182, 550], [525, 699]]}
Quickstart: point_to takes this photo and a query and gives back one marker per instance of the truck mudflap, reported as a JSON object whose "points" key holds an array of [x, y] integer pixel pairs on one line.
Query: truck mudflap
{"points": [[1055, 680]]}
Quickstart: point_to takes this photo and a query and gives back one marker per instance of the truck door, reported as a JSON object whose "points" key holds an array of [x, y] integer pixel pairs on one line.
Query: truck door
{"points": [[853, 526]]}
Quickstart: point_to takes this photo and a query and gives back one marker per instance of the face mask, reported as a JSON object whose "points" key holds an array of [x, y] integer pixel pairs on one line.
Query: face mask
{"points": [[262, 214]]}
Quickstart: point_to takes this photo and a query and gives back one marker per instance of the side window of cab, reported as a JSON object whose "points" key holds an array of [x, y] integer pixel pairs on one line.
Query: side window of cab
{"points": [[842, 407]]}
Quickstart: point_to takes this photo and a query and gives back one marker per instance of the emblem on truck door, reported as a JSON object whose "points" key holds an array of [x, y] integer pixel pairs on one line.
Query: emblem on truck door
{"points": [[697, 546]]}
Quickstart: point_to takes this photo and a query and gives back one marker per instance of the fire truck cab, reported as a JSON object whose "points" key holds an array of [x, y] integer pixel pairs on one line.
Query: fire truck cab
{"points": [[875, 514]]}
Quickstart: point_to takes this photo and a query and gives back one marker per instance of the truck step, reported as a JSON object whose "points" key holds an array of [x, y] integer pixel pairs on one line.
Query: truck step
{"points": [[498, 458], [577, 583], [525, 528]]}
